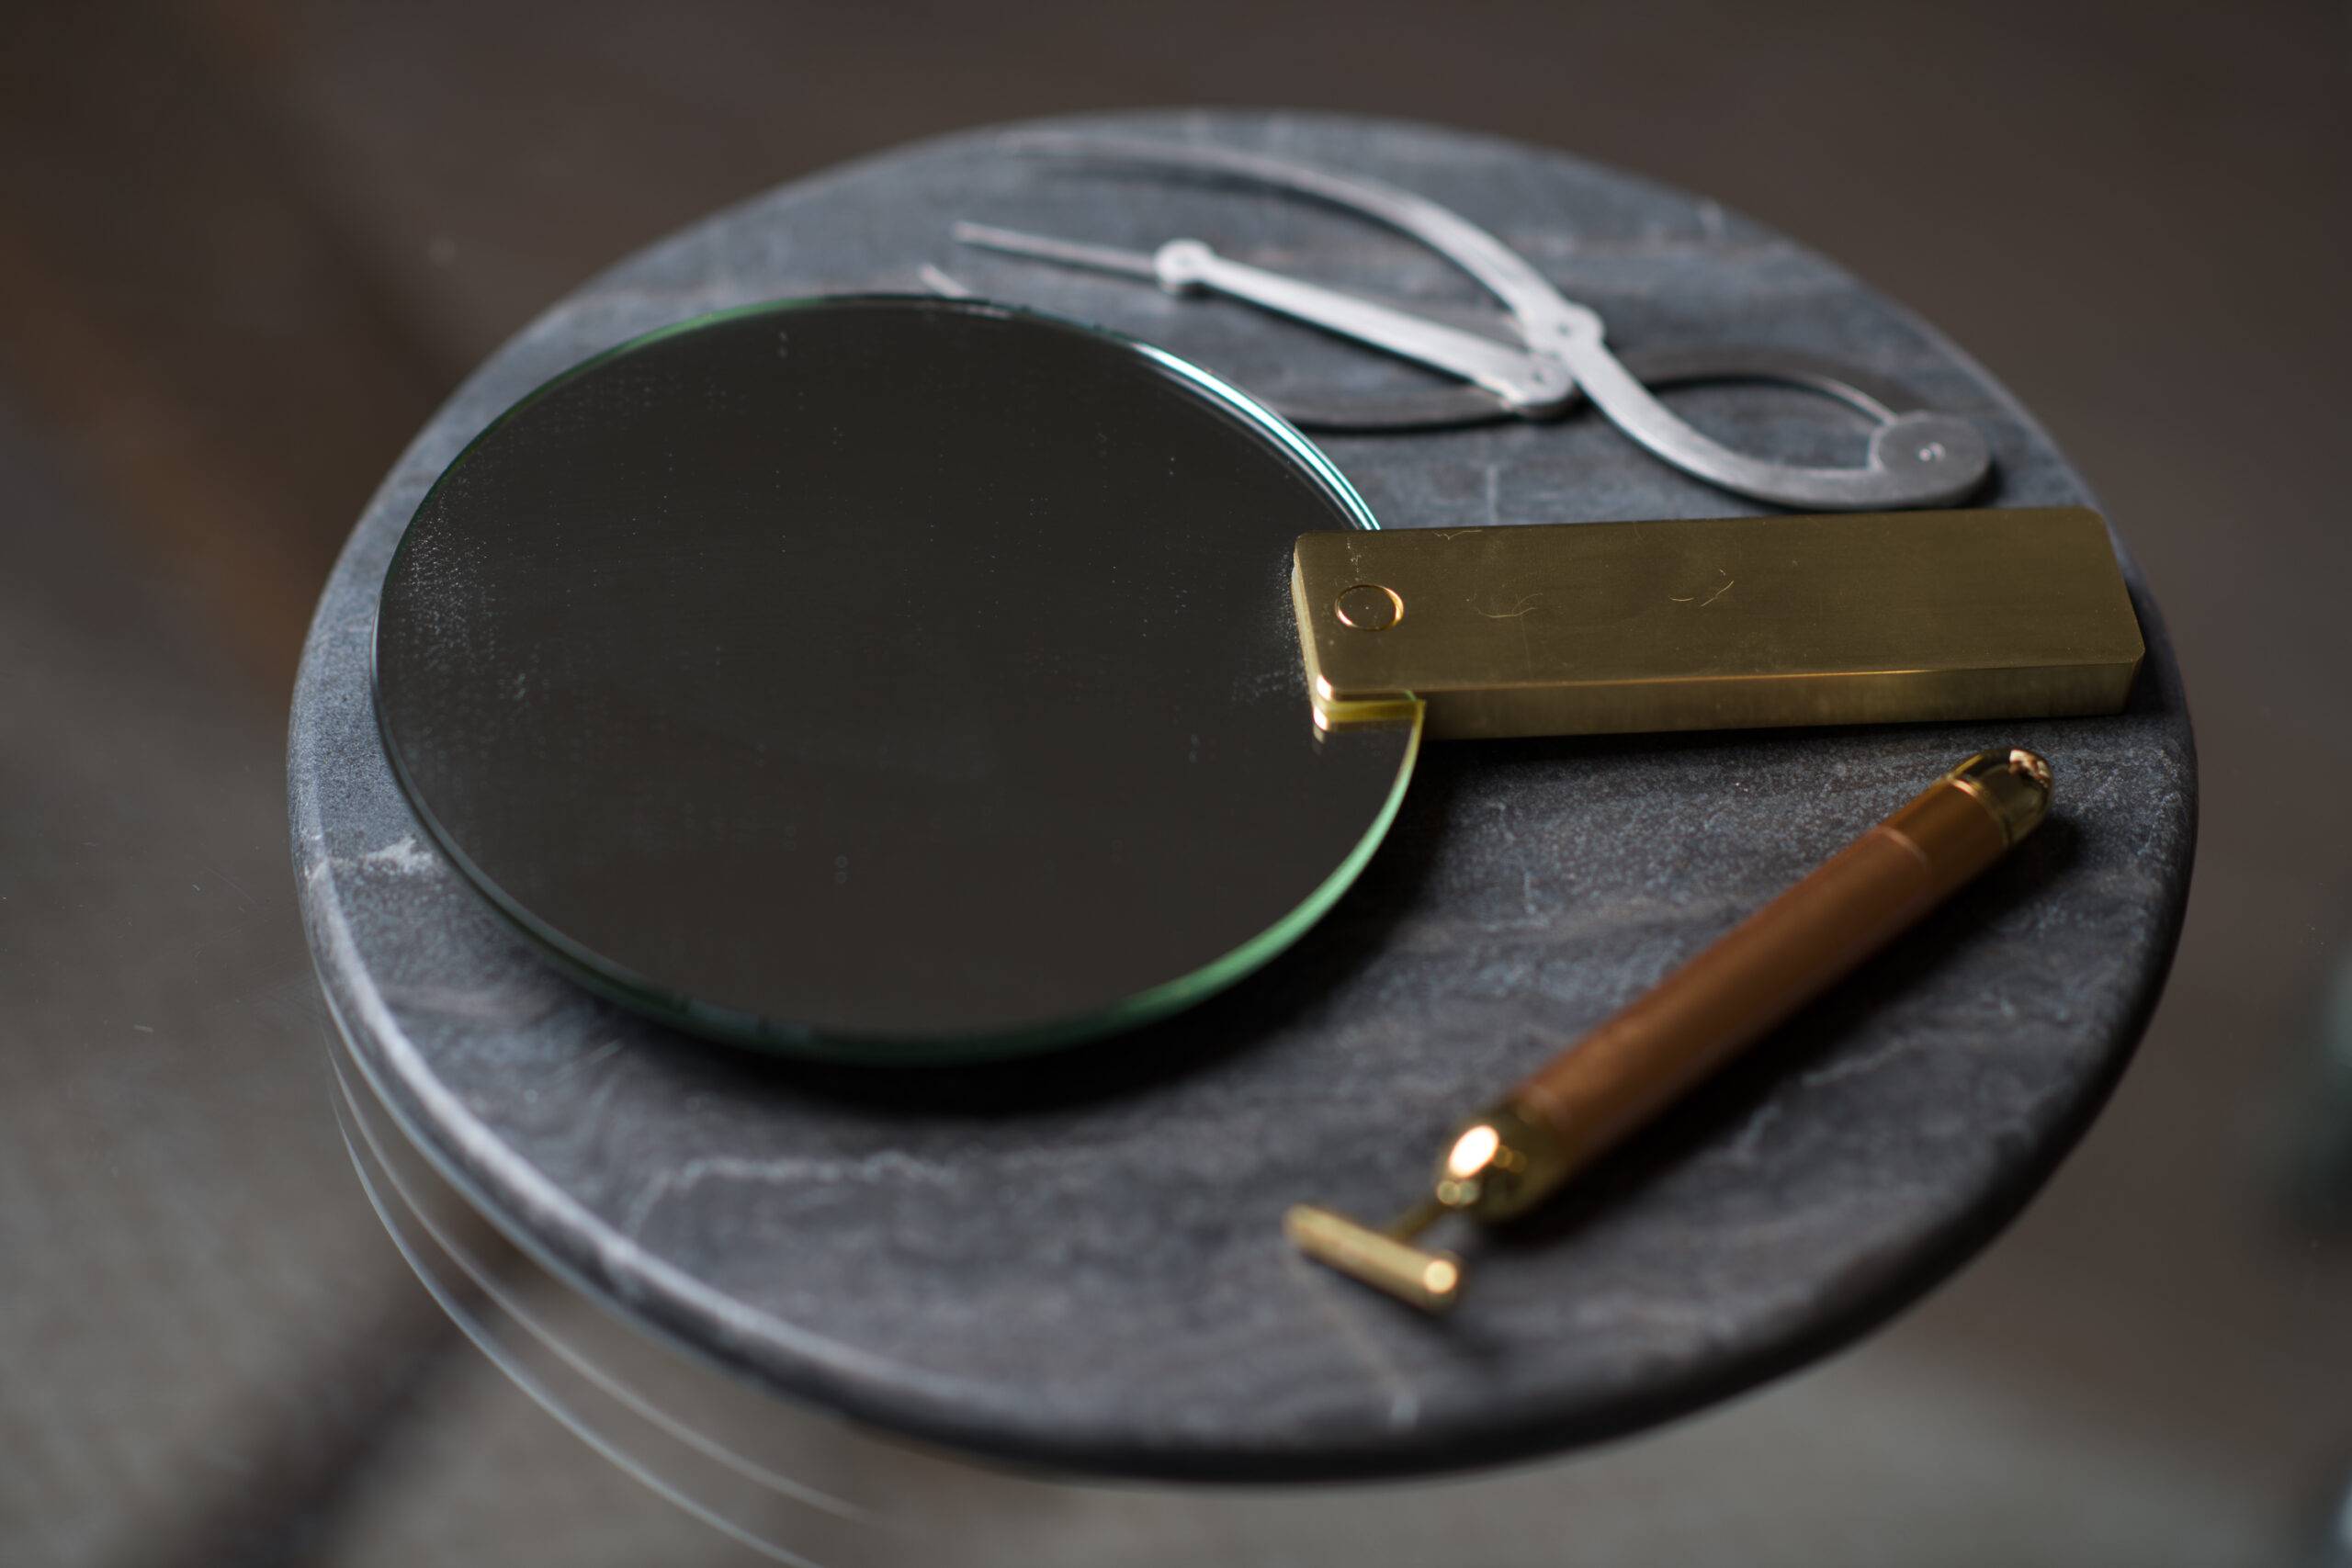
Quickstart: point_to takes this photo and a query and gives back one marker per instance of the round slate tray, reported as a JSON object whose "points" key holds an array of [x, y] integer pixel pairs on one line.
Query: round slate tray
{"points": [[1078, 1260]]}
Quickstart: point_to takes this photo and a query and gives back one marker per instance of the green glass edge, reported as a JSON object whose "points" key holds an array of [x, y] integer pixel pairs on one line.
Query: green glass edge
{"points": [[615, 981]]}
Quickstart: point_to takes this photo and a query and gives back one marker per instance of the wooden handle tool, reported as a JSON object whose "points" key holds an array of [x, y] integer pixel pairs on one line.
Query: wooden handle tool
{"points": [[1593, 1096]]}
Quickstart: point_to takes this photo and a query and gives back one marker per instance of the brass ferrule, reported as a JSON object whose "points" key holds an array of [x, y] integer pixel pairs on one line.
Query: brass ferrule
{"points": [[1501, 1163], [2013, 784]]}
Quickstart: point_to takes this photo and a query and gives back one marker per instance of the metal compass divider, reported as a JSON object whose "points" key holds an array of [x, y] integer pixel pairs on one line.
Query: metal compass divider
{"points": [[1916, 457]]}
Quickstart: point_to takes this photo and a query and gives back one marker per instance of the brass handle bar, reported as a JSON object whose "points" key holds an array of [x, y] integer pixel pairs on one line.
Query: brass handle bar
{"points": [[1715, 623], [1589, 1099]]}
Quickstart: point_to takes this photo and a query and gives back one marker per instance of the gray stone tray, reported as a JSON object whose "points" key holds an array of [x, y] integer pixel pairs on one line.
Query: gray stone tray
{"points": [[1077, 1261]]}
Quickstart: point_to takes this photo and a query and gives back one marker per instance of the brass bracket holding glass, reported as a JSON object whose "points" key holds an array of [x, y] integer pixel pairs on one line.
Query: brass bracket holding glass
{"points": [[1725, 623]]}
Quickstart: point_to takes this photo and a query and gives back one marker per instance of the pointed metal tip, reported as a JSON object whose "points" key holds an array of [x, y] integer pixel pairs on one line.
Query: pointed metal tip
{"points": [[1065, 253]]}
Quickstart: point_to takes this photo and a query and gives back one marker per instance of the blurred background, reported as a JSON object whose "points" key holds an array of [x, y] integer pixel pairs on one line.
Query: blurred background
{"points": [[247, 246]]}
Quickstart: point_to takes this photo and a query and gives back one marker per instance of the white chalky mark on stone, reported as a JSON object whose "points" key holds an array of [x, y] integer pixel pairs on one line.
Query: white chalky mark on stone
{"points": [[601, 1052], [889, 1165], [1858, 1065], [401, 855], [1404, 1401], [1751, 1133]]}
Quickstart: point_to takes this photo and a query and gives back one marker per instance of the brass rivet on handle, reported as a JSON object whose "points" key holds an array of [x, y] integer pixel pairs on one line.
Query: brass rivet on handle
{"points": [[1369, 607]]}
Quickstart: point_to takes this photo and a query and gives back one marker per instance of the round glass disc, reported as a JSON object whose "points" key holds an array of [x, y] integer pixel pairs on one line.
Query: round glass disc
{"points": [[884, 679]]}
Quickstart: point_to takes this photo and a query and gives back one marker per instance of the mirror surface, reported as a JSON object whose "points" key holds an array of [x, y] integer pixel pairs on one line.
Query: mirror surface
{"points": [[885, 679]]}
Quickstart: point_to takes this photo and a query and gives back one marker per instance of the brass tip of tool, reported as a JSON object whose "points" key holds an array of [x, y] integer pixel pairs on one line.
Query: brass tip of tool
{"points": [[2012, 783], [1501, 1165], [1383, 1259]]}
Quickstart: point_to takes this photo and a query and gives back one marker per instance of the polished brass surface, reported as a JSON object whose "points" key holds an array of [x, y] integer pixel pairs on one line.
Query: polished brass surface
{"points": [[1369, 607], [2014, 786], [1591, 1097], [1722, 623], [1504, 1162], [1385, 1259]]}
